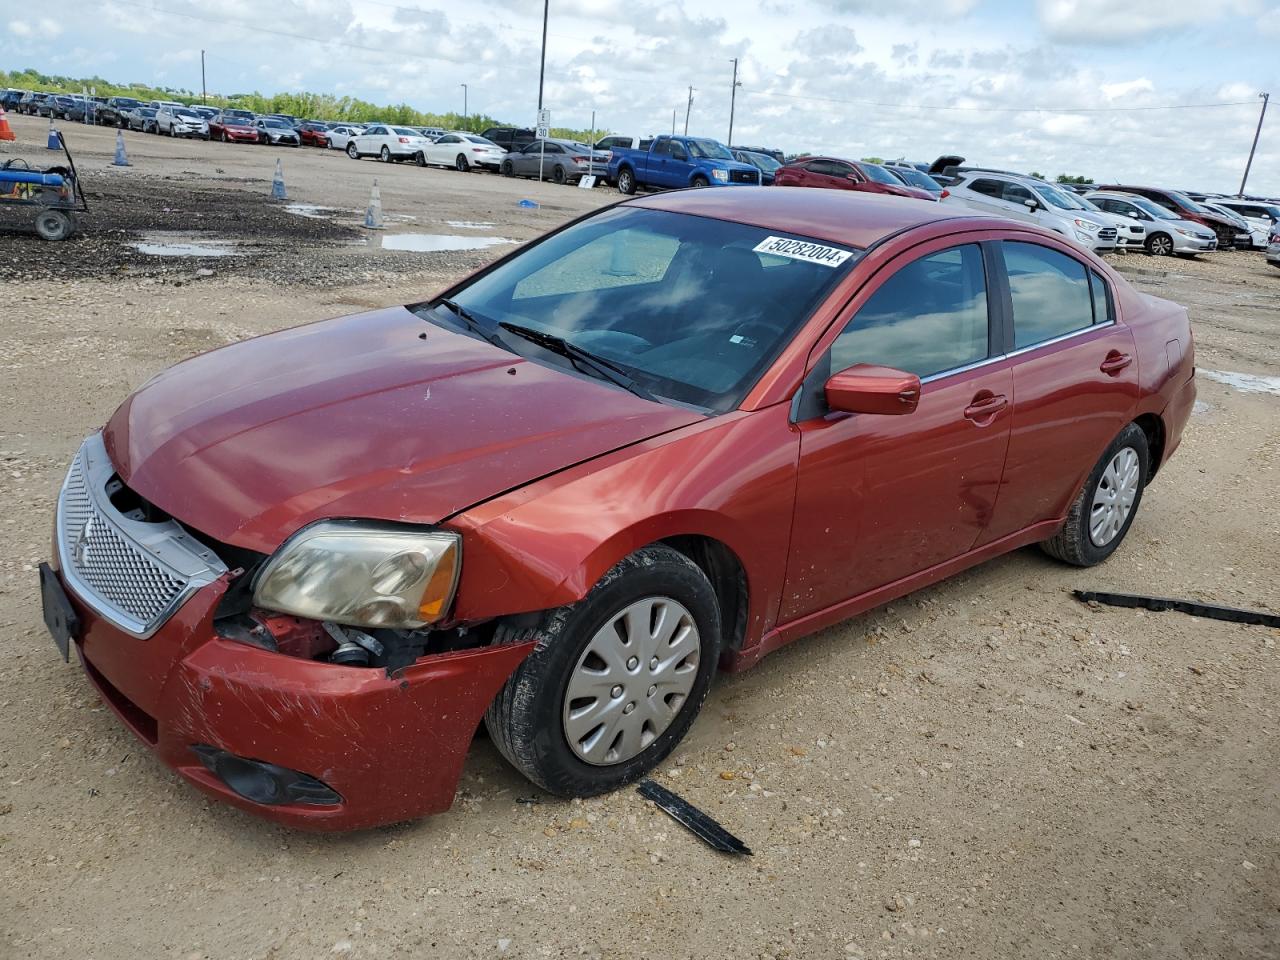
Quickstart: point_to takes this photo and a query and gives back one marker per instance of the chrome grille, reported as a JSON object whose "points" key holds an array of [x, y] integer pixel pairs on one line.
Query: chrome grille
{"points": [[1107, 233], [132, 572]]}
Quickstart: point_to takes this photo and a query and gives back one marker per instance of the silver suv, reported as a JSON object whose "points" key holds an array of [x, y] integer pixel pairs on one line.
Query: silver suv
{"points": [[1033, 201]]}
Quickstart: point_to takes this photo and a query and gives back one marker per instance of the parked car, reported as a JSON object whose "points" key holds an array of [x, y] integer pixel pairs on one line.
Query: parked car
{"points": [[462, 151], [1033, 201], [314, 133], [561, 161], [676, 162], [340, 135], [1258, 214], [734, 430], [912, 177], [1248, 236], [1166, 232], [1131, 232], [1273, 247], [767, 165], [275, 132], [54, 107], [431, 133], [141, 118], [287, 118], [158, 105], [181, 122], [776, 155], [32, 103], [234, 126], [83, 110], [835, 174], [388, 143], [10, 99], [1185, 208], [510, 138], [114, 110]]}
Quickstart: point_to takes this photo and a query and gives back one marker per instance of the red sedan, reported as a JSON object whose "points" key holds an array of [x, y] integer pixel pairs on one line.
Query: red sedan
{"points": [[314, 134], [834, 174], [666, 439], [233, 126]]}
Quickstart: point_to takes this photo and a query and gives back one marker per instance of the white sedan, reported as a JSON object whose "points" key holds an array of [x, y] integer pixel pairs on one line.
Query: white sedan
{"points": [[388, 143], [462, 151], [340, 135]]}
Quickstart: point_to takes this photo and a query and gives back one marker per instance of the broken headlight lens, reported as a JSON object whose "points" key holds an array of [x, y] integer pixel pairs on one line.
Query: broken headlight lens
{"points": [[363, 574]]}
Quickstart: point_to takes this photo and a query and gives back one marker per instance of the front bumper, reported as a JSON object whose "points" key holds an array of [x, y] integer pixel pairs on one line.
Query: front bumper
{"points": [[1183, 244], [391, 747], [1273, 254], [242, 136]]}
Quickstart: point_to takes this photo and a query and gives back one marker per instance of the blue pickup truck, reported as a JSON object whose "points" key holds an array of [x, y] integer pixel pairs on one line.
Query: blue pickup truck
{"points": [[673, 162]]}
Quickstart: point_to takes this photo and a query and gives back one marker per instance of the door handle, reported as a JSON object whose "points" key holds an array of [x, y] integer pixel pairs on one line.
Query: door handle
{"points": [[985, 407], [1115, 362]]}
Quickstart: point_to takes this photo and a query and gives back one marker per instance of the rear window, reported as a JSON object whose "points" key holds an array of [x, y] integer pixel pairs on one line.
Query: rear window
{"points": [[1052, 293], [405, 132]]}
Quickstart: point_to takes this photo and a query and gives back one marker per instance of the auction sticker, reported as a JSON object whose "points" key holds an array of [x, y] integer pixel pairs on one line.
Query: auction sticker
{"points": [[803, 250]]}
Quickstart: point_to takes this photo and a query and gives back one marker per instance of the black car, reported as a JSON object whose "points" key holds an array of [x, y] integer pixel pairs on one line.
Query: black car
{"points": [[56, 106], [511, 139], [112, 113], [9, 99], [31, 103]]}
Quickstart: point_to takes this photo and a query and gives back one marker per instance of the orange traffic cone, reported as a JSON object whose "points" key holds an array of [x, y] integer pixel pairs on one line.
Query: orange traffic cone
{"points": [[5, 132]]}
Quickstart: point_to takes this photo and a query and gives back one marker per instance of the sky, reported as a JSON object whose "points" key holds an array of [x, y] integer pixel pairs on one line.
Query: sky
{"points": [[1017, 84]]}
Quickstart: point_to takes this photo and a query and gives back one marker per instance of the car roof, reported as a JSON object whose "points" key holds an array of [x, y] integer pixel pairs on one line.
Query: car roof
{"points": [[848, 218]]}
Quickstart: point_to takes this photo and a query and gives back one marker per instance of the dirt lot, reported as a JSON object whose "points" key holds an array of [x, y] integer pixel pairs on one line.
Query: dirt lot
{"points": [[986, 769]]}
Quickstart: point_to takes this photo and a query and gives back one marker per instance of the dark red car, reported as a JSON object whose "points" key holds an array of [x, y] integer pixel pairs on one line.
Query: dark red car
{"points": [[663, 440], [835, 174], [314, 134], [233, 125]]}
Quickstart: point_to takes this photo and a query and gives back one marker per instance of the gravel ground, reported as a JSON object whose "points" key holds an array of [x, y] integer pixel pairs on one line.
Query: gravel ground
{"points": [[985, 769]]}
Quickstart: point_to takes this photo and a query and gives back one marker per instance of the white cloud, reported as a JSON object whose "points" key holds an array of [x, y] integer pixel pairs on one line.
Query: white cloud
{"points": [[1109, 22], [1126, 88]]}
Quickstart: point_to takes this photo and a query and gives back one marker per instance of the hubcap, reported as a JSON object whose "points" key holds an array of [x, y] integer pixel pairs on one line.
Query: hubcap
{"points": [[631, 681], [1162, 246], [1113, 499]]}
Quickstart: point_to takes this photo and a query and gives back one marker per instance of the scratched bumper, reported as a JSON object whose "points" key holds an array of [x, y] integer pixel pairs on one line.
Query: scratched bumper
{"points": [[393, 748]]}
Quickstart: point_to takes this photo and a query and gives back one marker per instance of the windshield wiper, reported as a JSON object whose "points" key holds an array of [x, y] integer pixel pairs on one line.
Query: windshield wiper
{"points": [[580, 357], [471, 323]]}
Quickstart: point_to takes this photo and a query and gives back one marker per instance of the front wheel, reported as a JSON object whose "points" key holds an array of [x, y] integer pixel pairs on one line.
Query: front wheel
{"points": [[1159, 245], [55, 225], [420, 159], [615, 680], [1101, 515], [507, 169], [701, 181], [352, 152], [626, 181]]}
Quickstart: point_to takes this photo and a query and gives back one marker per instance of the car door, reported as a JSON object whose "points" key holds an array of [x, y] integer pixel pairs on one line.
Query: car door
{"points": [[1075, 377], [879, 497], [442, 151]]}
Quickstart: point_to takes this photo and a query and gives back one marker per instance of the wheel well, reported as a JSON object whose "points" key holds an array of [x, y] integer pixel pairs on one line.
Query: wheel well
{"points": [[728, 579], [1153, 427]]}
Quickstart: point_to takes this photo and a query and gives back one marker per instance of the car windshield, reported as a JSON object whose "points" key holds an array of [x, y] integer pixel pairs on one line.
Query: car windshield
{"points": [[127, 102], [146, 111], [918, 179], [762, 161], [692, 309], [878, 173], [708, 149], [276, 124], [236, 118], [1185, 202], [186, 115], [1055, 198]]}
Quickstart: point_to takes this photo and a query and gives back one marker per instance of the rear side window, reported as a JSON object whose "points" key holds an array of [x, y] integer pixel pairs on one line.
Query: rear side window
{"points": [[1103, 312], [988, 188], [1052, 294], [929, 317]]}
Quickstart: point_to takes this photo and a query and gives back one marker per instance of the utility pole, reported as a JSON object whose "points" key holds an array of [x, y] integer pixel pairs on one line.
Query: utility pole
{"points": [[542, 70], [733, 97], [464, 106], [1245, 179], [204, 93], [687, 107], [673, 121]]}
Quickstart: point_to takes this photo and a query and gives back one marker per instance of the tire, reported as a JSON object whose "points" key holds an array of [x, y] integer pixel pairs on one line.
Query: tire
{"points": [[507, 169], [352, 152], [558, 175], [420, 159], [528, 720], [1159, 244], [461, 164], [55, 225], [1121, 474], [225, 138], [385, 154], [700, 181], [626, 181]]}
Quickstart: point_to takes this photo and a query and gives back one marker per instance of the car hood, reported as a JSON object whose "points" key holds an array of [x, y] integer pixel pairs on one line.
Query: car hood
{"points": [[1193, 226], [365, 417]]}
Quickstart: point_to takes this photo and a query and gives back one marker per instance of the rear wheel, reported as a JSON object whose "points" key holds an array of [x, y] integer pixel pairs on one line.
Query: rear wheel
{"points": [[558, 174], [385, 153], [615, 680], [1159, 244], [420, 159], [461, 164], [55, 225], [507, 169], [1101, 515]]}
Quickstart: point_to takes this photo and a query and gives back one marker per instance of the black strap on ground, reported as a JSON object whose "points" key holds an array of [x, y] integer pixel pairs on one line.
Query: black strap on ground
{"points": [[1160, 604], [697, 822]]}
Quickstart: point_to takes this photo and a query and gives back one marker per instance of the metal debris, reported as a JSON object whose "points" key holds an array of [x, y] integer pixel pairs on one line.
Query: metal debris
{"points": [[693, 819], [1161, 604]]}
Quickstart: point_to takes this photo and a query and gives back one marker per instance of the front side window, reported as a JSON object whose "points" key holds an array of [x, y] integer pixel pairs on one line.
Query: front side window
{"points": [[693, 309], [1050, 290], [1014, 193], [929, 317]]}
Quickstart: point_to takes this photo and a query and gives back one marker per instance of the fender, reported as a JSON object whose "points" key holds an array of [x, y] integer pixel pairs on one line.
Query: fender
{"points": [[731, 478]]}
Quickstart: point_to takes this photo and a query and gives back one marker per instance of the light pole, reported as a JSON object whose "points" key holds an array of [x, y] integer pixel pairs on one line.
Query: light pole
{"points": [[542, 69], [687, 107], [733, 98], [464, 105], [1245, 179]]}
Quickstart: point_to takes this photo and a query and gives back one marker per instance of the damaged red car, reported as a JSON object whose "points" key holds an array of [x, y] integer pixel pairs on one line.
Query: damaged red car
{"points": [[661, 441]]}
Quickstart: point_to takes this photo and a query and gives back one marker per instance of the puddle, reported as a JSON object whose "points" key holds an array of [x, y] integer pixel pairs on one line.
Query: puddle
{"points": [[432, 243], [469, 224], [310, 210], [1200, 408], [184, 245], [1244, 382]]}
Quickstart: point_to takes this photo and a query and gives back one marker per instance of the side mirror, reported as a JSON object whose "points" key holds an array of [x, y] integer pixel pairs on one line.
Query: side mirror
{"points": [[864, 388], [1031, 205]]}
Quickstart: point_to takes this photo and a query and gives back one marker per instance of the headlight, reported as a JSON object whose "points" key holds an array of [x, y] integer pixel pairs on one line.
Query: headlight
{"points": [[721, 175], [1088, 225], [1187, 233], [363, 574]]}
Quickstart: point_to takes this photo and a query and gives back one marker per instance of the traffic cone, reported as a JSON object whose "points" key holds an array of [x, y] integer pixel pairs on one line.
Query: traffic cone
{"points": [[373, 213], [5, 132], [277, 184], [122, 158], [54, 143]]}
